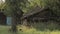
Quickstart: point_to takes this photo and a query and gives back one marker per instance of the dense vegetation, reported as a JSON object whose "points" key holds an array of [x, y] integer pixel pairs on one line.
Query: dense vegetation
{"points": [[12, 7], [27, 5]]}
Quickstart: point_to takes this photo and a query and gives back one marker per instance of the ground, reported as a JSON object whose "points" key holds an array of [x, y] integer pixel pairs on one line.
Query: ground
{"points": [[26, 30]]}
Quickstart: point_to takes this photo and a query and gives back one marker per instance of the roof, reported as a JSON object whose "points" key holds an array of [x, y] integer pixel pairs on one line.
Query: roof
{"points": [[37, 9]]}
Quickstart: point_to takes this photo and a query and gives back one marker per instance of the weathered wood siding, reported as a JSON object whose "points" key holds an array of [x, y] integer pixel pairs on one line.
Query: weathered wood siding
{"points": [[2, 19]]}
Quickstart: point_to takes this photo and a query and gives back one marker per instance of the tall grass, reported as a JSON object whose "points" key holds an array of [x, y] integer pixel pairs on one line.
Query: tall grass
{"points": [[37, 28], [50, 25]]}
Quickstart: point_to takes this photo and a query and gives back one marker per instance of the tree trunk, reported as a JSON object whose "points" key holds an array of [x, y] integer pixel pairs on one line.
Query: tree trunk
{"points": [[14, 23], [13, 4]]}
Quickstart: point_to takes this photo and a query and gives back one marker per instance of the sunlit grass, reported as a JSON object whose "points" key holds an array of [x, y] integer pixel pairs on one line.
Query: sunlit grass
{"points": [[27, 30]]}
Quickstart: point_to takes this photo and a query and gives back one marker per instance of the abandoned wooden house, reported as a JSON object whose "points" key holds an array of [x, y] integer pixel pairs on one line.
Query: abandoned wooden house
{"points": [[39, 15]]}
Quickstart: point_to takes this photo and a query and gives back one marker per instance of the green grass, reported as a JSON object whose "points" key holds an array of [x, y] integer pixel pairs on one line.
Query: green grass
{"points": [[4, 29], [26, 30]]}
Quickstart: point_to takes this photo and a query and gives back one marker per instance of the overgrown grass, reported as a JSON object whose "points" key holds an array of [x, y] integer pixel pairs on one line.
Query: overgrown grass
{"points": [[26, 30], [33, 30]]}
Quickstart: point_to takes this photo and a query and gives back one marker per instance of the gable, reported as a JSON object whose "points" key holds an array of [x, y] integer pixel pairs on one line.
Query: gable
{"points": [[37, 10]]}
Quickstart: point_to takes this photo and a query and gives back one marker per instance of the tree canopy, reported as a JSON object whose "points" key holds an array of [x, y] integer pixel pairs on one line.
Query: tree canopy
{"points": [[27, 5]]}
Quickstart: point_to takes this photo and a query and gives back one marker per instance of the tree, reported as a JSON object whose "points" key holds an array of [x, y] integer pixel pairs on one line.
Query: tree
{"points": [[14, 6]]}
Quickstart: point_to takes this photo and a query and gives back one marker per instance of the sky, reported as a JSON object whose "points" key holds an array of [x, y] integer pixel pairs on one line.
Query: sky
{"points": [[2, 1]]}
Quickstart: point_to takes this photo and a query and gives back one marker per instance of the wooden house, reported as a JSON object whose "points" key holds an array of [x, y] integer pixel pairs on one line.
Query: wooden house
{"points": [[39, 15], [4, 20], [7, 20]]}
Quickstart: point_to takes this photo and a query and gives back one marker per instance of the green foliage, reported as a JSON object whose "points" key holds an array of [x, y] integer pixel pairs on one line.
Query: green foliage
{"points": [[54, 5], [27, 5], [11, 4]]}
